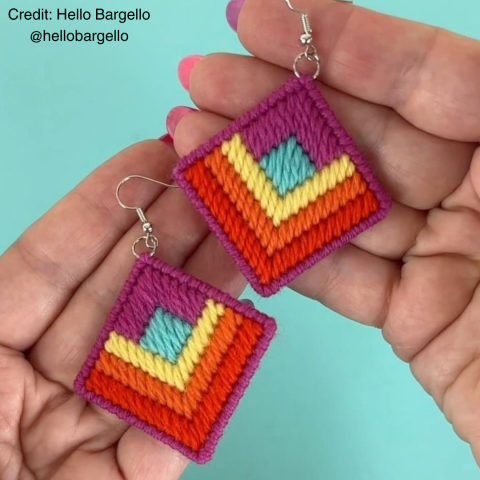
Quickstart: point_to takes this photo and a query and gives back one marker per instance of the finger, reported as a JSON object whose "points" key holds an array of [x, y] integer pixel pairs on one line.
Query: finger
{"points": [[58, 424], [440, 363], [467, 196], [141, 457], [180, 230], [417, 168], [212, 264], [80, 464], [430, 76], [40, 272], [440, 275], [354, 283], [402, 223]]}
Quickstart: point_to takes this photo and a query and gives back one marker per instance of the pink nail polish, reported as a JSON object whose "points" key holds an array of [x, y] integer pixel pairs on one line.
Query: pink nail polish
{"points": [[233, 12], [174, 117], [166, 139], [185, 69]]}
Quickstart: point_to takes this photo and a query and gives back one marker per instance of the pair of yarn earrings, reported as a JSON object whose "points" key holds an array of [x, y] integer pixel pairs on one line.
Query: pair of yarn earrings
{"points": [[282, 187]]}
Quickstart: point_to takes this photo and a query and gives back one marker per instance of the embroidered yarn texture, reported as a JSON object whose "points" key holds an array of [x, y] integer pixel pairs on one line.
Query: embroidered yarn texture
{"points": [[175, 357], [283, 186]]}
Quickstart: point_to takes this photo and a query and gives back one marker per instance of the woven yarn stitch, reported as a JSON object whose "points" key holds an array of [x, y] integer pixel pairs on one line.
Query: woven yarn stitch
{"points": [[175, 357], [283, 186]]}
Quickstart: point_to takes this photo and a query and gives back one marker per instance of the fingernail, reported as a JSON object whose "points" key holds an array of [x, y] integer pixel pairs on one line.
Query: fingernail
{"points": [[233, 12], [185, 69], [248, 302], [174, 117], [166, 139]]}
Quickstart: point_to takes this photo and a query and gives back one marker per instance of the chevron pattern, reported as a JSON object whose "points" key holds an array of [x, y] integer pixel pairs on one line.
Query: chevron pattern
{"points": [[283, 186], [177, 373]]}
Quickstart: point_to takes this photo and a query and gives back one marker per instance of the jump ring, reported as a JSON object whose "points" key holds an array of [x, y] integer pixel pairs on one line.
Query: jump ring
{"points": [[311, 58], [151, 242]]}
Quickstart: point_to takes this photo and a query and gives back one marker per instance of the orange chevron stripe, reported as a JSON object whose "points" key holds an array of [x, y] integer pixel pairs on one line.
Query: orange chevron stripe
{"points": [[271, 237], [269, 268], [183, 403], [192, 433]]}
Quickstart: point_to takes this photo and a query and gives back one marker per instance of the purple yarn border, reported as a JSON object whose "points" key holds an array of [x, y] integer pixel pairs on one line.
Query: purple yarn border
{"points": [[132, 320], [207, 451], [344, 140]]}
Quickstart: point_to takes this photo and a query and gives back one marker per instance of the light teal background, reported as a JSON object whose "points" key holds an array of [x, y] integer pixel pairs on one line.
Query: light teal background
{"points": [[331, 401]]}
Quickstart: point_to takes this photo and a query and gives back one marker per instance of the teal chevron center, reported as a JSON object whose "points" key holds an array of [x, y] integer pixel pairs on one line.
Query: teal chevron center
{"points": [[166, 335], [288, 166]]}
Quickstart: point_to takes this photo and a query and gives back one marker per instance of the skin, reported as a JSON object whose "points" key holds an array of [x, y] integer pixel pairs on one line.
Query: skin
{"points": [[407, 93]]}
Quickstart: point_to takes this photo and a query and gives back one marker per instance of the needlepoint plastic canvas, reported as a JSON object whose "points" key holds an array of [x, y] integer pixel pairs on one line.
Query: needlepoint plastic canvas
{"points": [[174, 357], [283, 186]]}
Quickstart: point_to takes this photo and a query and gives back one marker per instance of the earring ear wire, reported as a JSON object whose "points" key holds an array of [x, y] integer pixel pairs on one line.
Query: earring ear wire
{"points": [[150, 240], [141, 177], [306, 40]]}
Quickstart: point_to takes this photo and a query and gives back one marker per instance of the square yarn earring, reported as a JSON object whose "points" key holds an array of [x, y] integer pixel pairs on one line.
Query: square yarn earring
{"points": [[174, 357], [283, 186]]}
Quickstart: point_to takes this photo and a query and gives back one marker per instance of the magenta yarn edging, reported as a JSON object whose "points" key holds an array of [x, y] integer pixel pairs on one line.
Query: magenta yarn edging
{"points": [[345, 141], [164, 294], [278, 120], [269, 328]]}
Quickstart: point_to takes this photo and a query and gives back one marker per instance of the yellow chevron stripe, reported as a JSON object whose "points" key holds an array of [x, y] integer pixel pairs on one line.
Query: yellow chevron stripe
{"points": [[176, 375], [275, 207]]}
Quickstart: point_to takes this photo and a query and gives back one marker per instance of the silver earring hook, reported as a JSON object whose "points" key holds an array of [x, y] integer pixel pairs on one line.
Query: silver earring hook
{"points": [[141, 177], [150, 240], [306, 39], [292, 8]]}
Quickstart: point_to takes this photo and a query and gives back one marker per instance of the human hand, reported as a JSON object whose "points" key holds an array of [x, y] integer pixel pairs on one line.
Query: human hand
{"points": [[410, 97], [58, 282]]}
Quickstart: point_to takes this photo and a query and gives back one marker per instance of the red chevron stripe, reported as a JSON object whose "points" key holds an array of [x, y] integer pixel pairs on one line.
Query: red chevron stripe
{"points": [[183, 403], [192, 433], [270, 267], [274, 238]]}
